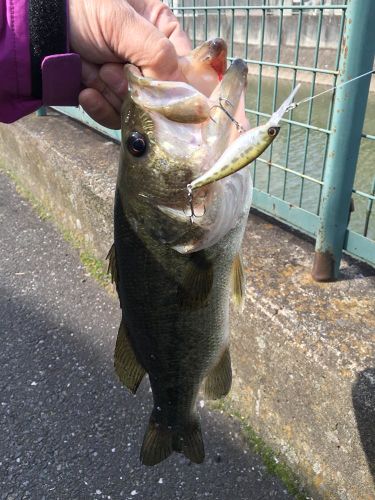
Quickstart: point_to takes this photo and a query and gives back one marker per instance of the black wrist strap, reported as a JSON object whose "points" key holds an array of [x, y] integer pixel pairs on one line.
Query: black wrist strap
{"points": [[48, 36]]}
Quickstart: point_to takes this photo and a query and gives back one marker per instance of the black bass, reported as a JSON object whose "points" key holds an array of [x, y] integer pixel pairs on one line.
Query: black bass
{"points": [[174, 270]]}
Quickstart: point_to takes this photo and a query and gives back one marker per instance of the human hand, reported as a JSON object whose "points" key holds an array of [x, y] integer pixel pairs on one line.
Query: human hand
{"points": [[108, 33]]}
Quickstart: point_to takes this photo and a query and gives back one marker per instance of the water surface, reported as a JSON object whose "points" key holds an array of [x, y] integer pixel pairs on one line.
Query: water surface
{"points": [[292, 188]]}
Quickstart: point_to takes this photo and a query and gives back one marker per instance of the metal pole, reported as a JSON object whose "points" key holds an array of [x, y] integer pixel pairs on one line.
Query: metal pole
{"points": [[42, 111], [357, 57]]}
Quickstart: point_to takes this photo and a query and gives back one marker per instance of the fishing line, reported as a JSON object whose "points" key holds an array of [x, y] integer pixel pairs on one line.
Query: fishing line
{"points": [[239, 127], [191, 202], [293, 105]]}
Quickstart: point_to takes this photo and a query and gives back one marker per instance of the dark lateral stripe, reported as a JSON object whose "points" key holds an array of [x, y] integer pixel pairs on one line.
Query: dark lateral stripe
{"points": [[48, 35]]}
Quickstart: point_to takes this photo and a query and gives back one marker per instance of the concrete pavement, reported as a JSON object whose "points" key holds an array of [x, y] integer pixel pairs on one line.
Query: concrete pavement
{"points": [[68, 429]]}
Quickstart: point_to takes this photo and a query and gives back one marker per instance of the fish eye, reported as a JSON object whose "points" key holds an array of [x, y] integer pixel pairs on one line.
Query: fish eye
{"points": [[273, 131], [136, 144]]}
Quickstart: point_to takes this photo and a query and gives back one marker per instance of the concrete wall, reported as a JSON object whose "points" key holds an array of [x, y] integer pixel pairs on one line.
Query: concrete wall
{"points": [[250, 47], [329, 37], [303, 353], [247, 42], [189, 3]]}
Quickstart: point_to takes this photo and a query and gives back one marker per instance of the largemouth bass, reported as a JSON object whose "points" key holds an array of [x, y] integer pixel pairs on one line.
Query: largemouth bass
{"points": [[174, 278]]}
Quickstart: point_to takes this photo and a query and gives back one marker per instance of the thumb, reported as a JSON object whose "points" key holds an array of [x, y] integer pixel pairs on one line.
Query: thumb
{"points": [[142, 44]]}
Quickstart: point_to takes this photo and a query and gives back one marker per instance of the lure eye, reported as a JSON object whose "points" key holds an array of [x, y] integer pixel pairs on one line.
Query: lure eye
{"points": [[273, 131], [136, 144]]}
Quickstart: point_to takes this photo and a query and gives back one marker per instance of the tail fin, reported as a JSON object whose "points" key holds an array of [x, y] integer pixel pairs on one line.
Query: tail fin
{"points": [[190, 443], [159, 442]]}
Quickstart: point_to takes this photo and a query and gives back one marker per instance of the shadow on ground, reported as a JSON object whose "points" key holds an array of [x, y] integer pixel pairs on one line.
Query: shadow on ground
{"points": [[73, 432], [363, 395]]}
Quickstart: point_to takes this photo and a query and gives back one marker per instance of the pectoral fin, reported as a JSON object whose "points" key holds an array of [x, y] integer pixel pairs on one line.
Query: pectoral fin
{"points": [[238, 283], [127, 367], [219, 380], [198, 282]]}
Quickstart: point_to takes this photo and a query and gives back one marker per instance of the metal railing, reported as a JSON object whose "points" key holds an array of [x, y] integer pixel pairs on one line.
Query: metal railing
{"points": [[307, 177]]}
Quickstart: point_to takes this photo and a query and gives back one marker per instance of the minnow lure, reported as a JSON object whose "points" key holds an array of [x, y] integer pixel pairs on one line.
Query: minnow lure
{"points": [[245, 149]]}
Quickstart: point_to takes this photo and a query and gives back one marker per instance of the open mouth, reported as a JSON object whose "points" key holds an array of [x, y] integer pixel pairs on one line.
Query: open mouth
{"points": [[200, 136], [211, 90]]}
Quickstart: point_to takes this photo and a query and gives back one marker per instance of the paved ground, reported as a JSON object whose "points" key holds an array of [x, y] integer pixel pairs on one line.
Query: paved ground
{"points": [[68, 430]]}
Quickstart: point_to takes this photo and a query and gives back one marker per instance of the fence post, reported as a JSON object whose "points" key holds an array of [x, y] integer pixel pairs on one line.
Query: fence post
{"points": [[42, 111], [357, 57]]}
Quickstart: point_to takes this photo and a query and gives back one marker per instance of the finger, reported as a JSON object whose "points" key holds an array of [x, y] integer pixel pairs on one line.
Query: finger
{"points": [[133, 38], [99, 108], [91, 77], [162, 17], [113, 77], [181, 42], [99, 78]]}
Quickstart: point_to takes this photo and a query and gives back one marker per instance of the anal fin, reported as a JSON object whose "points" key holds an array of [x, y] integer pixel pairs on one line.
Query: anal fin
{"points": [[238, 283], [219, 380], [128, 369]]}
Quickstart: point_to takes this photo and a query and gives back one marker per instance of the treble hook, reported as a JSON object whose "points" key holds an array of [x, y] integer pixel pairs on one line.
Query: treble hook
{"points": [[191, 205], [227, 101], [222, 108], [238, 126]]}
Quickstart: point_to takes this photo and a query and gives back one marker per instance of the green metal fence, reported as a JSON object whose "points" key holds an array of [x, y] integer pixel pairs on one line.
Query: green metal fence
{"points": [[307, 177]]}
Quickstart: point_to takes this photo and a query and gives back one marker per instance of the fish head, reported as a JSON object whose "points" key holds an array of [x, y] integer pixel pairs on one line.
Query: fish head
{"points": [[162, 143], [173, 132]]}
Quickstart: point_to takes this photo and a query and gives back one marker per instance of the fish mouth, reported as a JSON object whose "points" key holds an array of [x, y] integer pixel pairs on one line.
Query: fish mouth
{"points": [[219, 127], [213, 50], [182, 103]]}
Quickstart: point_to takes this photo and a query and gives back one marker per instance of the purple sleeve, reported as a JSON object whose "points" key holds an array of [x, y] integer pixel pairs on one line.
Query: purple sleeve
{"points": [[15, 79]]}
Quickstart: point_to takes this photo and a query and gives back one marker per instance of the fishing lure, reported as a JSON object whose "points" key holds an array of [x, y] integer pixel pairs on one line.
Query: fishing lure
{"points": [[245, 149]]}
